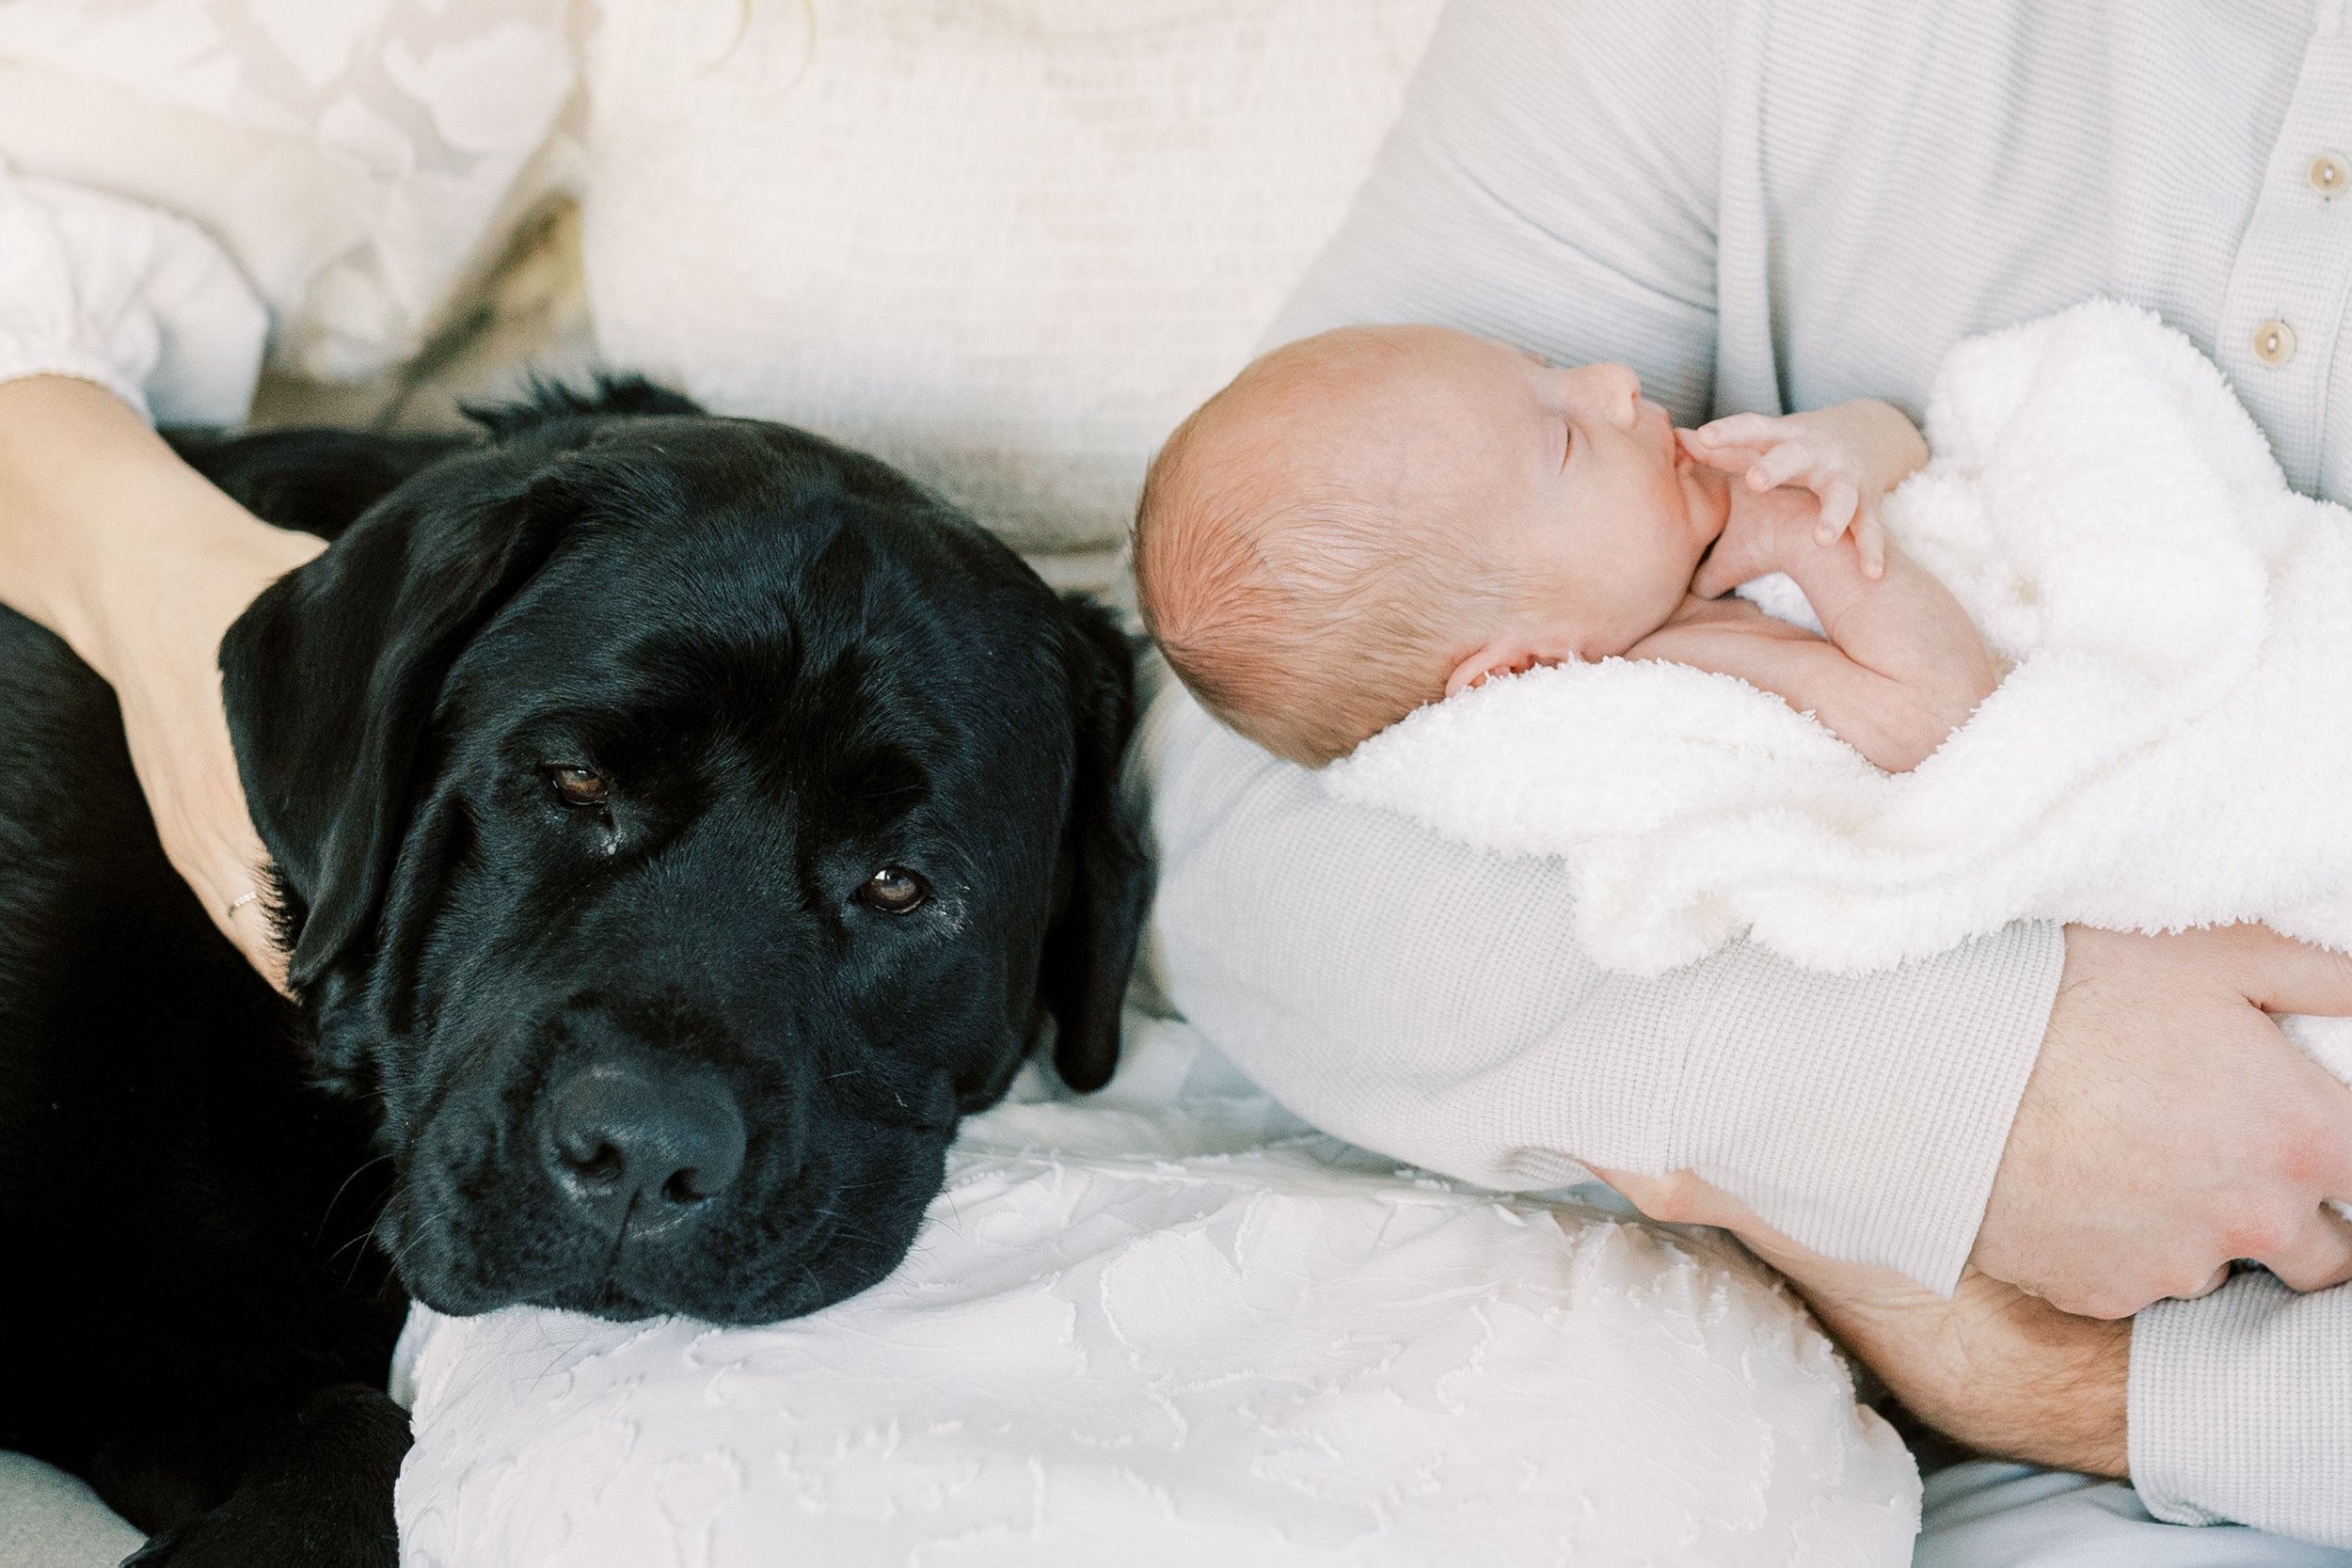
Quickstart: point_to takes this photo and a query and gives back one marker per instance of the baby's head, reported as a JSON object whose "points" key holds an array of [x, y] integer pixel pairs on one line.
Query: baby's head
{"points": [[1370, 519]]}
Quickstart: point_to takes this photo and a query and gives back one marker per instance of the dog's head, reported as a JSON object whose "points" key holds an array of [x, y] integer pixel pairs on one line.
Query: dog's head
{"points": [[681, 822]]}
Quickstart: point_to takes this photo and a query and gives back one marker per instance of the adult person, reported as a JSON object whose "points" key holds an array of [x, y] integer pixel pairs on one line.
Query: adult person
{"points": [[1779, 204]]}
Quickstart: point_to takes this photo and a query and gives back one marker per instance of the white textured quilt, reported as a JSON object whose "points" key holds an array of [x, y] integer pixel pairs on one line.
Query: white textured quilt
{"points": [[2169, 749], [1167, 1327]]}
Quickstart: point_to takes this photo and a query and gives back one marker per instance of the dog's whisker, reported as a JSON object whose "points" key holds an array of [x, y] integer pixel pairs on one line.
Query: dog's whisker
{"points": [[328, 1212]]}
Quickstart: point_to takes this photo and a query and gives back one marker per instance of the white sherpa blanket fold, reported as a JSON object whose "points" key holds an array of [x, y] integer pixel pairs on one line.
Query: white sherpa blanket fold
{"points": [[2171, 747]]}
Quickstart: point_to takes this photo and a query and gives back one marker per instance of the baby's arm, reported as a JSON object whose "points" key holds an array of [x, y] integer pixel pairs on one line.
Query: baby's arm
{"points": [[1849, 455], [1902, 667]]}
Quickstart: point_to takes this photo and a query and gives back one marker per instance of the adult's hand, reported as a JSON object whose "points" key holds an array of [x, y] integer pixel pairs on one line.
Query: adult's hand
{"points": [[110, 541], [2168, 1126], [2002, 1371], [1997, 1368]]}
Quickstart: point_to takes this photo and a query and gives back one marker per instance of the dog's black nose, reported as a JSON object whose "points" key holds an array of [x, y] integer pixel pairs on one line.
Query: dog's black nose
{"points": [[628, 1141]]}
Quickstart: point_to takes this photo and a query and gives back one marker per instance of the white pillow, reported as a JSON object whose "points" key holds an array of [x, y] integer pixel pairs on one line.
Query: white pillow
{"points": [[357, 158], [1005, 246], [1168, 1326]]}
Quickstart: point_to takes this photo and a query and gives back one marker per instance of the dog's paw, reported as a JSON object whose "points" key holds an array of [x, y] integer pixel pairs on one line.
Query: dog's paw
{"points": [[320, 1497], [234, 1536]]}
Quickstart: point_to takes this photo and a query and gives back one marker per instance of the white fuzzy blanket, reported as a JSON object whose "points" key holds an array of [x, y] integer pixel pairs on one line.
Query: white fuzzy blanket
{"points": [[2169, 749]]}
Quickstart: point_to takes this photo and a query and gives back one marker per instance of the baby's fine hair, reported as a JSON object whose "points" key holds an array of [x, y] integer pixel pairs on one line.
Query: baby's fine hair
{"points": [[1301, 608]]}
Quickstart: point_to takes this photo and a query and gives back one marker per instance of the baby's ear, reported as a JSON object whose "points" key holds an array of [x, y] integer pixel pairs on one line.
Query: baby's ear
{"points": [[1503, 657]]}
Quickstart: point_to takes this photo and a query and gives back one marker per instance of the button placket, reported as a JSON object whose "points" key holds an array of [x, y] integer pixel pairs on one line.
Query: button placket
{"points": [[2283, 311]]}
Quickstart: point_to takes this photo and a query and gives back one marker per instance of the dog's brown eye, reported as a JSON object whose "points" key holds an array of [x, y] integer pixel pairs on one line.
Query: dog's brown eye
{"points": [[578, 786], [893, 890]]}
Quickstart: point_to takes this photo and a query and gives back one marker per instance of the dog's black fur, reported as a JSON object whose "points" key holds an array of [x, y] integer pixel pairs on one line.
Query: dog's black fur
{"points": [[684, 1048]]}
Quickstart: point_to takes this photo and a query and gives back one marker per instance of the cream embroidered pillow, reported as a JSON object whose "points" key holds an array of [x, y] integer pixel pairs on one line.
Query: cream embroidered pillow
{"points": [[1005, 245]]}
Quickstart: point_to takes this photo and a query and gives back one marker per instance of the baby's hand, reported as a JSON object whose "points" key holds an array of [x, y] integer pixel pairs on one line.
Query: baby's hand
{"points": [[1848, 456], [1767, 531]]}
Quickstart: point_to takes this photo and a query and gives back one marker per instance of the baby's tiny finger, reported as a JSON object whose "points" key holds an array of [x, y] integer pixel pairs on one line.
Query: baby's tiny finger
{"points": [[1724, 459], [1870, 538], [1739, 429], [1838, 503], [1786, 462]]}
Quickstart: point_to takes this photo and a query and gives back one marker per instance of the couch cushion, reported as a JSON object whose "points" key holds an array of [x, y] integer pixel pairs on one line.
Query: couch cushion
{"points": [[1005, 245]]}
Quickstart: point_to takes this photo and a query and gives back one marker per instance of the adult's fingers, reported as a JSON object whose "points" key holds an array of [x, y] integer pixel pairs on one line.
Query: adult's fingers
{"points": [[169, 692], [2315, 1254], [188, 773], [248, 921]]}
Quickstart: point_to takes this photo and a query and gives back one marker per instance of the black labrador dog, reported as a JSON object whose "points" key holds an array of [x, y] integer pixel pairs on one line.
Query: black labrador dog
{"points": [[678, 823]]}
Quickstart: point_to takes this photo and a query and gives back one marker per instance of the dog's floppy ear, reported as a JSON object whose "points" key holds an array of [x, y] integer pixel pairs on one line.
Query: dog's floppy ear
{"points": [[1092, 945], [332, 675]]}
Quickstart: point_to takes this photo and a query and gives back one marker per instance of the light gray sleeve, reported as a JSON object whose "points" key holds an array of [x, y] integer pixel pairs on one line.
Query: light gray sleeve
{"points": [[2241, 1409], [1423, 1000]]}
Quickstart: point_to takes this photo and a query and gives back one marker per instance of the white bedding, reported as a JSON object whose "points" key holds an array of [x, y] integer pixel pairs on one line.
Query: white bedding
{"points": [[1168, 1325], [2168, 749]]}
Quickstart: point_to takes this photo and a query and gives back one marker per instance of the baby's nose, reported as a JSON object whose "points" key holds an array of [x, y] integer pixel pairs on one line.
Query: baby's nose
{"points": [[1622, 390], [1605, 392]]}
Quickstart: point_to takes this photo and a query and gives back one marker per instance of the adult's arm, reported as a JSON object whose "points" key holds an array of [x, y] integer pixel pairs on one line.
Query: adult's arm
{"points": [[1426, 1001], [109, 540], [2234, 1406]]}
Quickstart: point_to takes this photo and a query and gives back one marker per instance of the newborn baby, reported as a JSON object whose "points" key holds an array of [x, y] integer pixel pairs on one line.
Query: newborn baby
{"points": [[2166, 745], [1370, 519]]}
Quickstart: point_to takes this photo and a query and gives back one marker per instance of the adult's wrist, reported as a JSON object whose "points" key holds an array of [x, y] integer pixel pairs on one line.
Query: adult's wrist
{"points": [[112, 542], [1989, 1366]]}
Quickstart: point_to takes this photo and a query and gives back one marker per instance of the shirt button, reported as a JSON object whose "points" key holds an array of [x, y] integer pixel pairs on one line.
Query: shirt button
{"points": [[2274, 342], [2330, 173]]}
